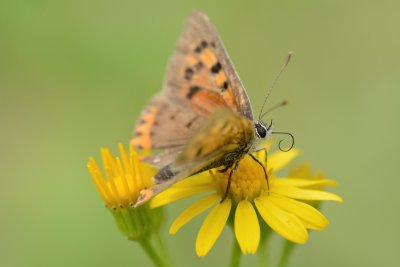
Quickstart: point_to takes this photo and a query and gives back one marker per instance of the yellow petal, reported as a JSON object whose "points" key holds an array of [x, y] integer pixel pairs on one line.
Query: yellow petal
{"points": [[192, 211], [198, 180], [147, 172], [299, 182], [302, 171], [304, 194], [212, 227], [280, 159], [174, 194], [247, 229], [282, 222], [310, 216]]}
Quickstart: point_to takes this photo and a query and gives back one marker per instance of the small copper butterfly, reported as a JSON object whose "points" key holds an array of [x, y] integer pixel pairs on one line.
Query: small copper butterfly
{"points": [[202, 118]]}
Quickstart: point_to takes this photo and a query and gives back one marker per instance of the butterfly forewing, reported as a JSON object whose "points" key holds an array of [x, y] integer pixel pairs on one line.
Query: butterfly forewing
{"points": [[201, 72], [200, 78]]}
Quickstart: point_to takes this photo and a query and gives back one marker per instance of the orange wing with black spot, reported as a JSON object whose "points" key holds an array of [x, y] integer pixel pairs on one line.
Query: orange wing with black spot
{"points": [[200, 78]]}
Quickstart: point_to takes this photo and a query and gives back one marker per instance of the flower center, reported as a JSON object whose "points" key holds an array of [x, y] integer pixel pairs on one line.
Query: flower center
{"points": [[247, 182]]}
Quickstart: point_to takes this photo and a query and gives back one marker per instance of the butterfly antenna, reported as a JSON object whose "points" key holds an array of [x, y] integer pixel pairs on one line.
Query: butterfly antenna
{"points": [[287, 60], [283, 103]]}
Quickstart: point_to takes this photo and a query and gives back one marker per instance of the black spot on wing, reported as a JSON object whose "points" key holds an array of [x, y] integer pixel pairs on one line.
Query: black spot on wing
{"points": [[191, 122], [216, 68], [225, 86], [192, 92], [198, 65], [188, 73], [201, 46]]}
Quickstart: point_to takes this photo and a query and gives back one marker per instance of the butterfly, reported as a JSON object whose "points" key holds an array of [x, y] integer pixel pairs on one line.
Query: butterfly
{"points": [[202, 118]]}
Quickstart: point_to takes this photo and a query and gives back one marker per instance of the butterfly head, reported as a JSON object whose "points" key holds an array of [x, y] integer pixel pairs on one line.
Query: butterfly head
{"points": [[263, 130]]}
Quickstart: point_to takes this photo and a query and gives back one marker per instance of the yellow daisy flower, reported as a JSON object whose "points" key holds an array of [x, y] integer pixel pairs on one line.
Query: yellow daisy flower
{"points": [[119, 187], [302, 171], [279, 204]]}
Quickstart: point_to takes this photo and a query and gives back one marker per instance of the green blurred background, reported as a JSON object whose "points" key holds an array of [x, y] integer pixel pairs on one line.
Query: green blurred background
{"points": [[74, 76]]}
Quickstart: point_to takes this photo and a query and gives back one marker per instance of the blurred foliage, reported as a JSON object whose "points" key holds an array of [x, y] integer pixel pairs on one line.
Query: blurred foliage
{"points": [[74, 76]]}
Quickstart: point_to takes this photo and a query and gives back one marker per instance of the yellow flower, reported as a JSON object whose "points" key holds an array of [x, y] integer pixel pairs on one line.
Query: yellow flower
{"points": [[304, 171], [280, 204], [124, 177]]}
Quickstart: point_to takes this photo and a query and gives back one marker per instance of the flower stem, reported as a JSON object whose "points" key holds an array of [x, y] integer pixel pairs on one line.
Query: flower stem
{"points": [[235, 255], [156, 259], [163, 247], [286, 252], [263, 252]]}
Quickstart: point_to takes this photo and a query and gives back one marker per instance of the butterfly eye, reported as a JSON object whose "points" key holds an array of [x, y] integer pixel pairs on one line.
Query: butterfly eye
{"points": [[261, 130]]}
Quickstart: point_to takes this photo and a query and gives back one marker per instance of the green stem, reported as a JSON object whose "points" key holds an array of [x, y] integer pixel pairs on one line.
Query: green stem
{"points": [[156, 259], [263, 250], [235, 255], [286, 252], [163, 247]]}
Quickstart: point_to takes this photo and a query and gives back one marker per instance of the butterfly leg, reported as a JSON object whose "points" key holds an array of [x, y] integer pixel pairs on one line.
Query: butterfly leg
{"points": [[228, 186], [259, 162], [225, 169], [265, 157], [265, 150]]}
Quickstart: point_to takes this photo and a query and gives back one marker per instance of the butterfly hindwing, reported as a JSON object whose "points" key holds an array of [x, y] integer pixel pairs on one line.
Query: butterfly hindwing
{"points": [[164, 125]]}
